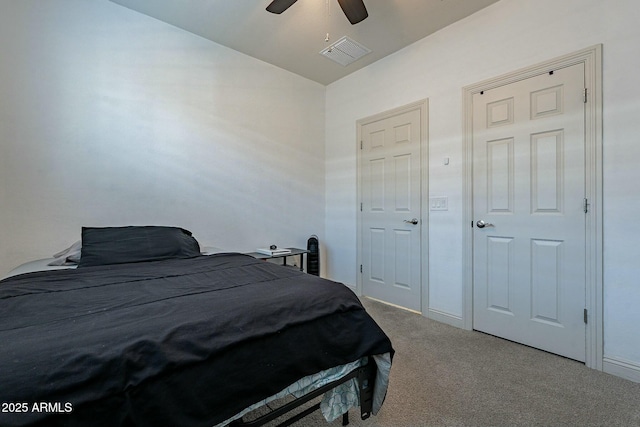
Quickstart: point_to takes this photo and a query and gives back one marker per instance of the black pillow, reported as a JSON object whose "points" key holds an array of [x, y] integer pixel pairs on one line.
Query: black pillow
{"points": [[117, 245]]}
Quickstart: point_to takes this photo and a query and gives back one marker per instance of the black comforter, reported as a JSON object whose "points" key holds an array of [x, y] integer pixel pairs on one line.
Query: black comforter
{"points": [[183, 342]]}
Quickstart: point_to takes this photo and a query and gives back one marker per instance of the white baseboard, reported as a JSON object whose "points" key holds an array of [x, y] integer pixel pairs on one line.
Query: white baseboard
{"points": [[393, 305], [448, 318], [621, 368]]}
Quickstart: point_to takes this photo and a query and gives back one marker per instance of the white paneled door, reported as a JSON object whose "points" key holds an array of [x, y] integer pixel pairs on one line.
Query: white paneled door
{"points": [[390, 209], [529, 212]]}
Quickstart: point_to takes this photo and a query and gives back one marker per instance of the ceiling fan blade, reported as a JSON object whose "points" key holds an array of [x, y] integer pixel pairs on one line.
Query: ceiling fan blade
{"points": [[354, 9], [279, 6]]}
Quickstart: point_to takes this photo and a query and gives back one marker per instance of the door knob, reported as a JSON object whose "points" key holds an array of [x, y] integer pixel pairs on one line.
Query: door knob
{"points": [[482, 224], [413, 221]]}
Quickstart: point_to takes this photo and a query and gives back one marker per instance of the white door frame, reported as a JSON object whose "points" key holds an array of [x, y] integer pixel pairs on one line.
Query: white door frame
{"points": [[423, 106], [592, 59]]}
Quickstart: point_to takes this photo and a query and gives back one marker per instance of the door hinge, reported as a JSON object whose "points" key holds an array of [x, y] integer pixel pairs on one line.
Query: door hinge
{"points": [[360, 268], [585, 95], [586, 315], [585, 205], [360, 207], [361, 145]]}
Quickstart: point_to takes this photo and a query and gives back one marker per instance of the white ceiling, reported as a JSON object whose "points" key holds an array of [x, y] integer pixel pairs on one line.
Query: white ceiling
{"points": [[294, 39]]}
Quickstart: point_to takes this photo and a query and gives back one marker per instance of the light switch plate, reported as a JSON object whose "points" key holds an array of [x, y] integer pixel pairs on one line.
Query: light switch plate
{"points": [[438, 204]]}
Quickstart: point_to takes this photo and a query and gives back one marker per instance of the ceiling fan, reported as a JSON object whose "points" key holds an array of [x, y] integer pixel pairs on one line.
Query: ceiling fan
{"points": [[353, 9]]}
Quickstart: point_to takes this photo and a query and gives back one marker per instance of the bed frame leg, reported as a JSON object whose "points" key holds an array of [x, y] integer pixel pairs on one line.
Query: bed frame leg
{"points": [[345, 419], [366, 380]]}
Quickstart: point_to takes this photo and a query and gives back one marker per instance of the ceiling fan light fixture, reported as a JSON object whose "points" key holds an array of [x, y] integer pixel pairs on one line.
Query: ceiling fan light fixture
{"points": [[354, 10], [345, 51]]}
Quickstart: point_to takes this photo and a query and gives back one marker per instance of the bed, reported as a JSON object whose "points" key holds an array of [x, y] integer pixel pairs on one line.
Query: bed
{"points": [[147, 331]]}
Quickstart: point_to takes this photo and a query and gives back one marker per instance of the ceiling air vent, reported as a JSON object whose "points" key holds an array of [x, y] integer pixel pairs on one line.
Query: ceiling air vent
{"points": [[345, 51]]}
